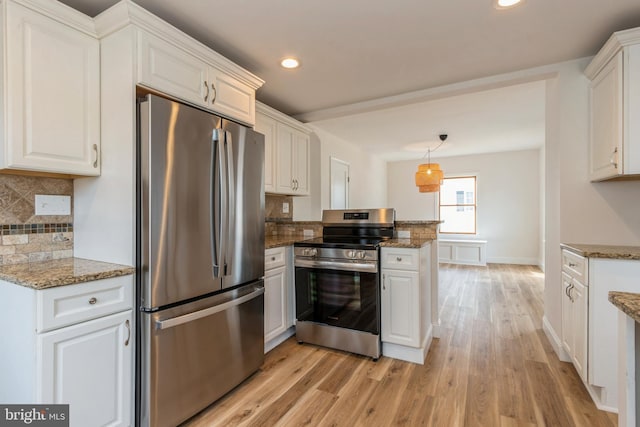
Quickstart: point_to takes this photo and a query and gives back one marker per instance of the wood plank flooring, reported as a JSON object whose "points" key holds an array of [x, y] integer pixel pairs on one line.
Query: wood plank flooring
{"points": [[492, 366]]}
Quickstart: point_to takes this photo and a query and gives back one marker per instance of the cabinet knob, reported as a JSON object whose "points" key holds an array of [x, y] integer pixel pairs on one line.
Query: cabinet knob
{"points": [[93, 300], [398, 259], [273, 258], [572, 264]]}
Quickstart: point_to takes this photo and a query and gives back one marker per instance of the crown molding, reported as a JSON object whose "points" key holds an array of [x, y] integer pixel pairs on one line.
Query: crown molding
{"points": [[614, 44], [62, 13], [281, 117]]}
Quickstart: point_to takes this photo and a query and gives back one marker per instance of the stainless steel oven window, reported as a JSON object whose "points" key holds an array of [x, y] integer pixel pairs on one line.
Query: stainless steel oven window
{"points": [[347, 299]]}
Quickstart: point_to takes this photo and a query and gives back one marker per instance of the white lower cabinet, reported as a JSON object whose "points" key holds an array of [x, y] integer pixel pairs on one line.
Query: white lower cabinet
{"points": [[575, 309], [279, 310], [88, 366], [406, 323], [401, 307], [590, 321], [70, 345], [275, 303]]}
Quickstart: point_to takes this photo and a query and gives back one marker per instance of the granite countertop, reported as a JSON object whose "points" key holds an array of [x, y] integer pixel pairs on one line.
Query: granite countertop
{"points": [[279, 241], [604, 251], [628, 302], [413, 242], [61, 272]]}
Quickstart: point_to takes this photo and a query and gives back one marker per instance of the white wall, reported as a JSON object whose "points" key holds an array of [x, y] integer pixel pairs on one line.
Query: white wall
{"points": [[578, 211], [508, 200], [368, 173]]}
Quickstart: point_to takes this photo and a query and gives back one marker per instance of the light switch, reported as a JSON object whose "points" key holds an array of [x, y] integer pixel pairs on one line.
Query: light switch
{"points": [[285, 207], [53, 205]]}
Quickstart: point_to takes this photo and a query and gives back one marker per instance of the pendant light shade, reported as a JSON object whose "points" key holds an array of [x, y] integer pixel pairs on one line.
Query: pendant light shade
{"points": [[429, 175], [433, 188]]}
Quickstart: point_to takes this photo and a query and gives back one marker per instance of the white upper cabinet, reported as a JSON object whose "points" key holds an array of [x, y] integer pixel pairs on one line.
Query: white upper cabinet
{"points": [[614, 96], [52, 91], [167, 68], [231, 97], [267, 126], [287, 152], [164, 67]]}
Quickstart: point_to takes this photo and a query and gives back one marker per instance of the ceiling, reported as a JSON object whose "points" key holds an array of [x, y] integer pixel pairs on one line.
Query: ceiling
{"points": [[360, 50]]}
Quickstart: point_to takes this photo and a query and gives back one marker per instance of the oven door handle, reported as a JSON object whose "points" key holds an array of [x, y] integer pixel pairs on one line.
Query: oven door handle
{"points": [[337, 265]]}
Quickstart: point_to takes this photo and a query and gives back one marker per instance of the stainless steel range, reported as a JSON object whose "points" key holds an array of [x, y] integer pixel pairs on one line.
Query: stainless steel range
{"points": [[338, 281]]}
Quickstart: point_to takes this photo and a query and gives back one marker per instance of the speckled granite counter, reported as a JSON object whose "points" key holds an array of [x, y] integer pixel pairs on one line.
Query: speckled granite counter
{"points": [[279, 241], [67, 271], [604, 251], [414, 242], [628, 302]]}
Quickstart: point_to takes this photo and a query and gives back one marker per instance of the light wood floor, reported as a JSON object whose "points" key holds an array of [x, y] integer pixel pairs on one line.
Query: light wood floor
{"points": [[492, 366]]}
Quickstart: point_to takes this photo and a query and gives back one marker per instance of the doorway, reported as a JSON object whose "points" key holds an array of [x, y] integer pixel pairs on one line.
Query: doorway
{"points": [[339, 186]]}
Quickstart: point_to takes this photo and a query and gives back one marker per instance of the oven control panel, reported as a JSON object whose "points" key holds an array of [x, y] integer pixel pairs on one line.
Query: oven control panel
{"points": [[336, 253]]}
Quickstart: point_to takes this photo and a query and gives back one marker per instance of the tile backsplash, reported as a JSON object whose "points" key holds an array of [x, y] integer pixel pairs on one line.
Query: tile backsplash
{"points": [[25, 237], [273, 207]]}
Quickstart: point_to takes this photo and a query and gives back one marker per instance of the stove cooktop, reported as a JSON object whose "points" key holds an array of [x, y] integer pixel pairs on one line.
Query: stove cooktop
{"points": [[341, 242]]}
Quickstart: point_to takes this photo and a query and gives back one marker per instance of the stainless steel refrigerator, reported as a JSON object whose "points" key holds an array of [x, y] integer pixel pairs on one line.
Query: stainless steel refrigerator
{"points": [[200, 259]]}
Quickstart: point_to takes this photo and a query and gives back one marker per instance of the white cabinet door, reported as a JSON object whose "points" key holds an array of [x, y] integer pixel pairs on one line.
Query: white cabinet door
{"points": [[606, 95], [567, 315], [168, 69], [285, 159], [267, 126], [301, 163], [400, 307], [230, 97], [52, 95], [275, 303], [88, 366], [579, 321]]}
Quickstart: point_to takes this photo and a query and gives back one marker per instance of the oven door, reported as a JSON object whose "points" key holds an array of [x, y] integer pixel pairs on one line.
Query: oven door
{"points": [[338, 293]]}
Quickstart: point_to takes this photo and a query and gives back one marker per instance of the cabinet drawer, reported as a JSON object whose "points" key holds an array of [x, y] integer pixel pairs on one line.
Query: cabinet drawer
{"points": [[66, 305], [400, 258], [273, 258], [575, 265]]}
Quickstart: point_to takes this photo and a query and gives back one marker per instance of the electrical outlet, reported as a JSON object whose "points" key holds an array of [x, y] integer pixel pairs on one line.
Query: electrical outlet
{"points": [[53, 205], [307, 233], [406, 234], [285, 207]]}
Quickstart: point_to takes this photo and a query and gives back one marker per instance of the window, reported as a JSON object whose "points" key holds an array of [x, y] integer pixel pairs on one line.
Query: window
{"points": [[458, 205]]}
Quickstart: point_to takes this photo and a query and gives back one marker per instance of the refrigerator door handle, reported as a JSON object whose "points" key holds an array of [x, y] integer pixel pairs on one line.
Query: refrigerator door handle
{"points": [[179, 320], [231, 204], [224, 202], [217, 220]]}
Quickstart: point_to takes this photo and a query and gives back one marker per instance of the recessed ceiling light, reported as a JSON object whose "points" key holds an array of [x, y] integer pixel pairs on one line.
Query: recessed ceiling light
{"points": [[506, 4], [290, 63]]}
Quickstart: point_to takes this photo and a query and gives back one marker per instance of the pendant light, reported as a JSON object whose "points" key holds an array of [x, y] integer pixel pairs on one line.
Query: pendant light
{"points": [[429, 175]]}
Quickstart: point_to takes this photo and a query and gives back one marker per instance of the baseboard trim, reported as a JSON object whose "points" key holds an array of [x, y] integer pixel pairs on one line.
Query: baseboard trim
{"points": [[409, 354], [268, 346], [517, 261], [555, 340]]}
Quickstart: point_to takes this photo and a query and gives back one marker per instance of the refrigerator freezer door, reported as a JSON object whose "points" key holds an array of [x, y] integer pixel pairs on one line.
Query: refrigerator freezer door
{"points": [[180, 202], [244, 256], [198, 352]]}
